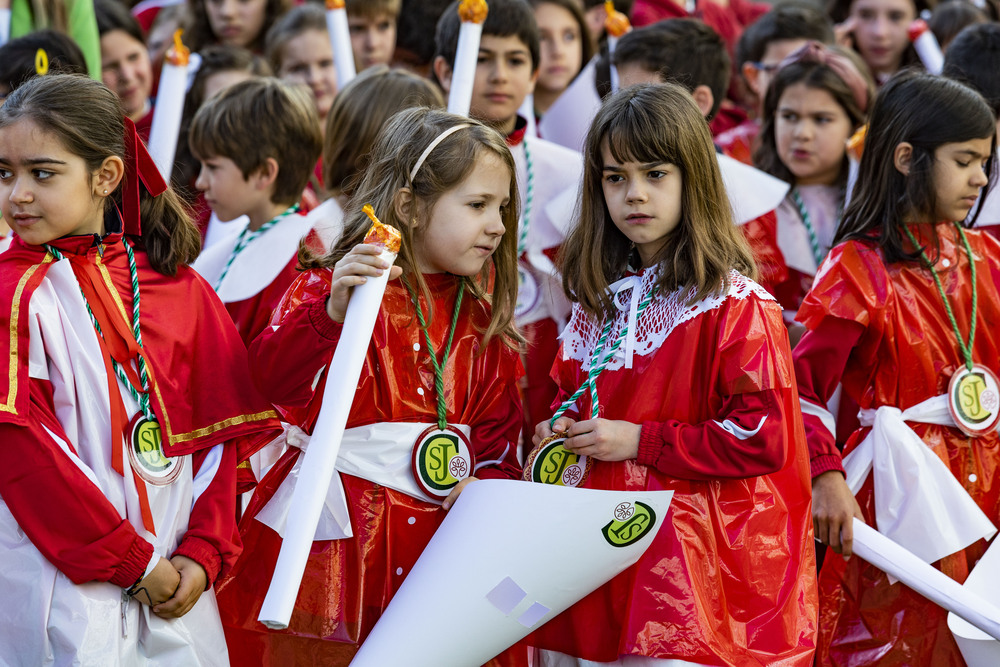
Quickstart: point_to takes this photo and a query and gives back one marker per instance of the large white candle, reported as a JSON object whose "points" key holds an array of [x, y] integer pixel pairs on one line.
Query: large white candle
{"points": [[318, 466], [926, 46], [616, 25], [463, 76], [169, 107], [340, 39]]}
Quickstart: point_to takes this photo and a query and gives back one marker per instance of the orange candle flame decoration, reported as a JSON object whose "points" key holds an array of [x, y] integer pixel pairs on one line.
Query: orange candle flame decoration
{"points": [[178, 55], [616, 23], [335, 4], [856, 144], [381, 234], [473, 11]]}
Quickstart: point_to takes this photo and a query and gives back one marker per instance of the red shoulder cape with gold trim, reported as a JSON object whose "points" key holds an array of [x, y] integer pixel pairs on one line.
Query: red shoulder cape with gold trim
{"points": [[200, 382]]}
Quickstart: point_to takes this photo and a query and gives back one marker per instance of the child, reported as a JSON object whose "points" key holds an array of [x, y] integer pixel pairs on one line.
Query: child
{"points": [[700, 399], [262, 179], [365, 105], [127, 397], [221, 67], [688, 52], [299, 51], [373, 31], [125, 66], [974, 59], [816, 101], [682, 50], [878, 31], [447, 184], [566, 46], [882, 320], [762, 47], [241, 23], [548, 176], [951, 17]]}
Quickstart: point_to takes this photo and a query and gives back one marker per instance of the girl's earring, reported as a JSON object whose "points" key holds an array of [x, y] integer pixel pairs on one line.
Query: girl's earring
{"points": [[105, 192]]}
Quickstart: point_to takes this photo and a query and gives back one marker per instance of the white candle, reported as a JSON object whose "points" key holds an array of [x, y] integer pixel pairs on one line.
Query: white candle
{"points": [[926, 46], [4, 25], [169, 107], [340, 39], [616, 25], [463, 75], [318, 466]]}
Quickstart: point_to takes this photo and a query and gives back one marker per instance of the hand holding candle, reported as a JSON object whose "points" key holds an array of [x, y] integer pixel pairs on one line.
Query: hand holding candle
{"points": [[318, 466], [169, 107], [340, 39], [473, 14]]}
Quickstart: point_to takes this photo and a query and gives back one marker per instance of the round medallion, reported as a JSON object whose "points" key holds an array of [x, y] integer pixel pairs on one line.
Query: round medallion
{"points": [[441, 459], [974, 399], [551, 463], [528, 292], [144, 441]]}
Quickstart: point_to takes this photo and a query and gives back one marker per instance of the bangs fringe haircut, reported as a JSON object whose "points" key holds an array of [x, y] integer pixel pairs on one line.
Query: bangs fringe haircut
{"points": [[392, 157], [654, 124]]}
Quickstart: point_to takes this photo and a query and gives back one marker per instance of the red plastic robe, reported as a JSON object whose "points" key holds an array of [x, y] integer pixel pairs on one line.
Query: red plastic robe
{"points": [[348, 583], [730, 578], [883, 332]]}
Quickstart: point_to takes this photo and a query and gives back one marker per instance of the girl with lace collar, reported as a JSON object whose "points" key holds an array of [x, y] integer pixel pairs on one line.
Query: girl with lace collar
{"points": [[685, 384]]}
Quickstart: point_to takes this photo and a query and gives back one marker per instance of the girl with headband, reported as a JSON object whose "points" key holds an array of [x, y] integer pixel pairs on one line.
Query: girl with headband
{"points": [[815, 102], [125, 405], [440, 377]]}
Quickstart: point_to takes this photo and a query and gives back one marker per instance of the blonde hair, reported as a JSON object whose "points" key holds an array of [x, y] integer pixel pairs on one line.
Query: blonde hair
{"points": [[654, 124], [393, 156]]}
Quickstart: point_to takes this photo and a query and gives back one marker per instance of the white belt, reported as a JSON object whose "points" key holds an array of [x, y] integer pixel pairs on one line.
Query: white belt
{"points": [[918, 502], [380, 453]]}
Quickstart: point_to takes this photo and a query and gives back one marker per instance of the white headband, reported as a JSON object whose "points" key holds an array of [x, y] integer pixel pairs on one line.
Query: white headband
{"points": [[431, 146]]}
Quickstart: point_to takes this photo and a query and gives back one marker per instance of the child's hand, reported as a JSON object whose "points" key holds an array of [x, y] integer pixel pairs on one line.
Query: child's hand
{"points": [[604, 439], [834, 508], [453, 496], [352, 270], [843, 33], [543, 430], [158, 585], [192, 584]]}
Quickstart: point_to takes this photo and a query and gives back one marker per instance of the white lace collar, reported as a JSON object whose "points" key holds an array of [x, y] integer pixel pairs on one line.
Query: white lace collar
{"points": [[647, 332]]}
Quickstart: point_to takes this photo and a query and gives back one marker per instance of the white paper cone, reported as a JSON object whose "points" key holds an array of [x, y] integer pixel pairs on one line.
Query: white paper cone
{"points": [[933, 584], [978, 648], [340, 40], [463, 75], [320, 458], [167, 117], [4, 26], [508, 557]]}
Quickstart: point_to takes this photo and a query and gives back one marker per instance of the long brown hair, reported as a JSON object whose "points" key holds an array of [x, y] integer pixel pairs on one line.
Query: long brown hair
{"points": [[393, 156], [88, 119], [654, 124], [927, 112]]}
